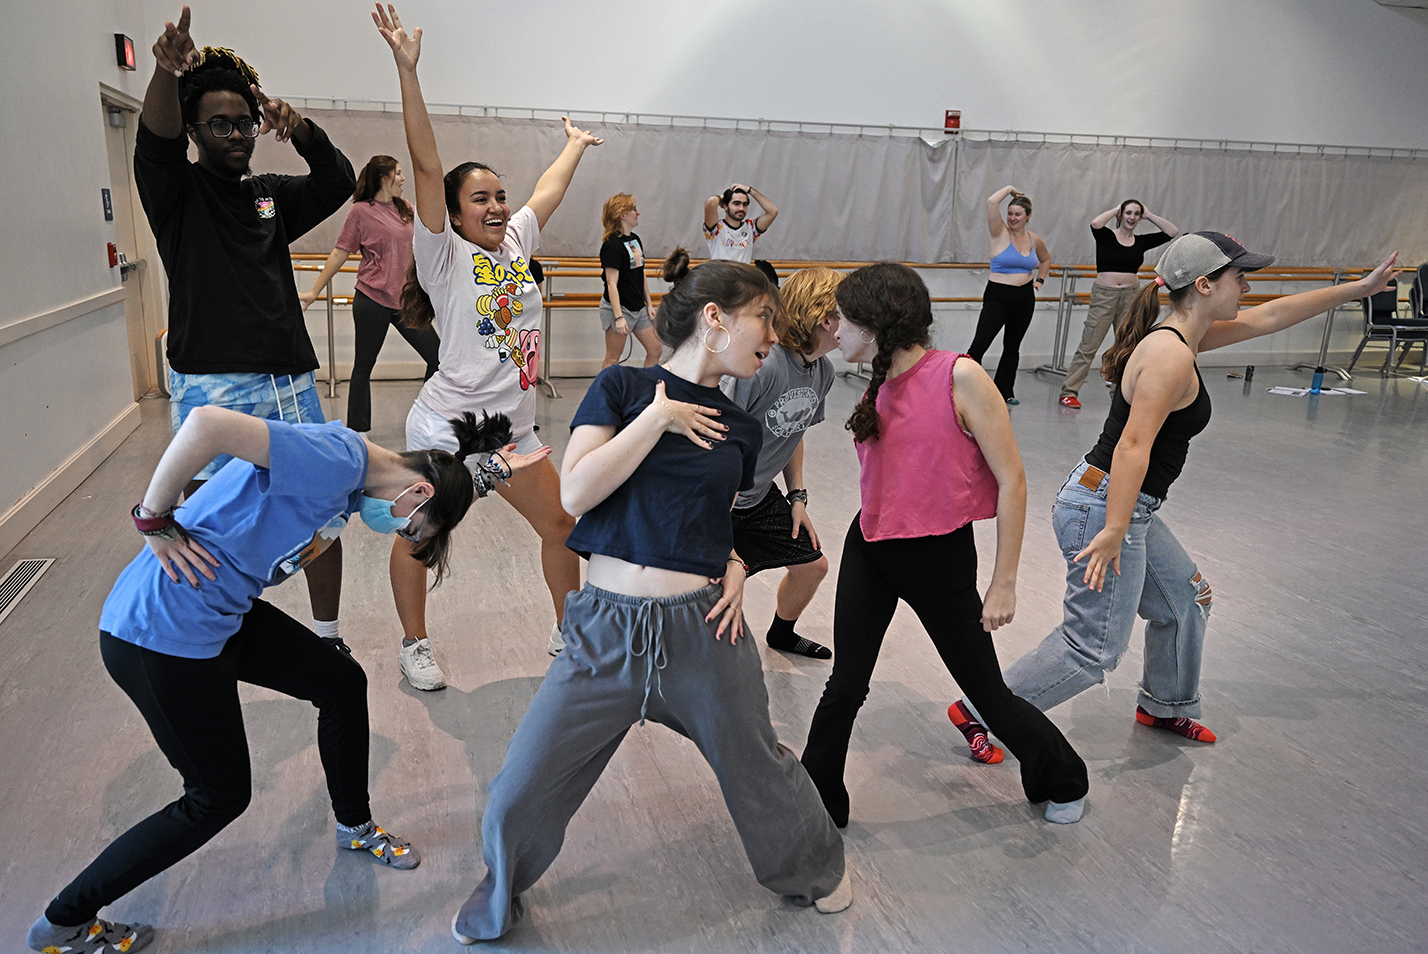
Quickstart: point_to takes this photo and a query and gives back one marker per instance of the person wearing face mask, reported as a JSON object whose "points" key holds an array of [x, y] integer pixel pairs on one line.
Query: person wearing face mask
{"points": [[184, 625], [236, 336], [471, 274], [727, 228], [937, 452], [1119, 256], [656, 458], [379, 225], [1019, 265]]}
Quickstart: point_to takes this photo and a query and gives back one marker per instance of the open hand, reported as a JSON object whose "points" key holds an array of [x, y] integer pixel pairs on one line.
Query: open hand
{"points": [[519, 462], [174, 50], [692, 420], [406, 50], [800, 520], [579, 135], [730, 605], [1378, 279], [179, 553], [1103, 551]]}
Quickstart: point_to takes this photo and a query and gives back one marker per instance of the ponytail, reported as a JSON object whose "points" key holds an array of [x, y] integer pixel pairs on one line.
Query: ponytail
{"points": [[1144, 311], [864, 420]]}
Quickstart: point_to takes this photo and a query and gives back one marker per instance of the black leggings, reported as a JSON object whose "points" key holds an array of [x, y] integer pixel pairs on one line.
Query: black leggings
{"points": [[191, 706], [372, 320], [937, 576], [1008, 306]]}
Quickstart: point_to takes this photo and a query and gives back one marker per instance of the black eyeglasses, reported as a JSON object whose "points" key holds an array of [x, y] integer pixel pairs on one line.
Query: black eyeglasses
{"points": [[223, 128]]}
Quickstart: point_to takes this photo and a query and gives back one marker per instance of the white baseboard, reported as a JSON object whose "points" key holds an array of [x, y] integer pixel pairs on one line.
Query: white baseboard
{"points": [[36, 505]]}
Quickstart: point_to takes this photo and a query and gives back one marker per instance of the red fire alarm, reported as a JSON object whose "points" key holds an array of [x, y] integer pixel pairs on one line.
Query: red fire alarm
{"points": [[124, 51], [113, 255], [953, 124]]}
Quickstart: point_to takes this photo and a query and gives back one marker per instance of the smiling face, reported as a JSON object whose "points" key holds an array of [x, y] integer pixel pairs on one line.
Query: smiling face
{"points": [[1131, 214], [1016, 218], [1223, 294], [393, 181], [483, 210], [227, 158], [751, 336], [855, 343]]}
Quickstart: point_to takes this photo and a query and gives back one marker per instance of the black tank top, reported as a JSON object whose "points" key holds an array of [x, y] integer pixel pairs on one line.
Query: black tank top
{"points": [[1172, 443]]}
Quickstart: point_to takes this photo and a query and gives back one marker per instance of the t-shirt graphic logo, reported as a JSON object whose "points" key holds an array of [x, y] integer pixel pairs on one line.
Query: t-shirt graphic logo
{"points": [[635, 252], [266, 208], [792, 412], [500, 306]]}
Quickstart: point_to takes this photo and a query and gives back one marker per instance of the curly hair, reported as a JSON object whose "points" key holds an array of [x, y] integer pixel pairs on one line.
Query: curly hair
{"points": [[891, 301], [808, 298], [217, 70]]}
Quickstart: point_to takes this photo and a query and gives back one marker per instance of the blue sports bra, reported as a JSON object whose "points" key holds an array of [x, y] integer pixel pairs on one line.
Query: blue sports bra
{"points": [[1011, 262]]}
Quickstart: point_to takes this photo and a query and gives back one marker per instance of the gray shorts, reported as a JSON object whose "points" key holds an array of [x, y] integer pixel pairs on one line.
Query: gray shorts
{"points": [[634, 320]]}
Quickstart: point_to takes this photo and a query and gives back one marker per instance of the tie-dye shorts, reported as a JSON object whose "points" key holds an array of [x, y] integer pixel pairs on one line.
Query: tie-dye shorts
{"points": [[283, 397]]}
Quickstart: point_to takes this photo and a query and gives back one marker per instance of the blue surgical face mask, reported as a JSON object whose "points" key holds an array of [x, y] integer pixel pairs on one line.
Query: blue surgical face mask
{"points": [[377, 513]]}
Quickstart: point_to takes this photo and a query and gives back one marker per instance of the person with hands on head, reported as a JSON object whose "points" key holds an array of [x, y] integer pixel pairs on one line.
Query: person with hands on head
{"points": [[184, 625], [727, 229], [1122, 560], [379, 225], [655, 459], [786, 397], [1019, 266], [937, 452], [1119, 256], [236, 336], [471, 272], [625, 306]]}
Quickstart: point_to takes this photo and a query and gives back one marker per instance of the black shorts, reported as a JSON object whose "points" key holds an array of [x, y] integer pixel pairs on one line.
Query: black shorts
{"points": [[763, 535]]}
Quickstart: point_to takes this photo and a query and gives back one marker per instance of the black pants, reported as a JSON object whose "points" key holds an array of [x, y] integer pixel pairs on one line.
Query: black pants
{"points": [[937, 576], [372, 321], [191, 706], [1008, 306]]}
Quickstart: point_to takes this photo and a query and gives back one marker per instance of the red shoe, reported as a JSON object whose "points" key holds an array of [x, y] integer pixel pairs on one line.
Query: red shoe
{"points": [[982, 750], [1070, 400], [1189, 728]]}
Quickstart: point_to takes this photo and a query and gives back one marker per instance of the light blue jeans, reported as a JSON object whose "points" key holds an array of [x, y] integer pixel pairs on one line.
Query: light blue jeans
{"points": [[1158, 581]]}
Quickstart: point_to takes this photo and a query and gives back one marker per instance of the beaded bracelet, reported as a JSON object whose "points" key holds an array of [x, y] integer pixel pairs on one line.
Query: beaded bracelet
{"points": [[488, 474], [798, 496]]}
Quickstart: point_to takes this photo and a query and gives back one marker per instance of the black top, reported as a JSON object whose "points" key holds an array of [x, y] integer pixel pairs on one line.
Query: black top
{"points": [[1167, 453], [233, 304], [626, 254], [673, 511], [1112, 256]]}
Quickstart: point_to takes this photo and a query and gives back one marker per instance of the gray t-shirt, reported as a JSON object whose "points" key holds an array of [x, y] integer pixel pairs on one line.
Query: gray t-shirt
{"points": [[786, 399]]}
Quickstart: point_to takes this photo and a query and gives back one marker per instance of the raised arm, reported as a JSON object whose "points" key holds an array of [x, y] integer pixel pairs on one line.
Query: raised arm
{"points": [[550, 187], [173, 53], [334, 262], [421, 139], [983, 412], [769, 210], [1104, 219], [711, 211], [1279, 314], [1165, 225], [995, 225], [598, 459]]}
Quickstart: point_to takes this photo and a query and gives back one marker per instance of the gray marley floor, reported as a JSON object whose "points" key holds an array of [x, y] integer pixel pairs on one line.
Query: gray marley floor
{"points": [[1303, 829]]}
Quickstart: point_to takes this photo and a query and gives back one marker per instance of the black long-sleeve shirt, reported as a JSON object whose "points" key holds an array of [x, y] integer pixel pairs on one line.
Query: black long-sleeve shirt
{"points": [[233, 303]]}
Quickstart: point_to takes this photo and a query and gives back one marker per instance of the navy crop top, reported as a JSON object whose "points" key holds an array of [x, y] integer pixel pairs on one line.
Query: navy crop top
{"points": [[1171, 445], [1112, 256], [673, 511], [1011, 262]]}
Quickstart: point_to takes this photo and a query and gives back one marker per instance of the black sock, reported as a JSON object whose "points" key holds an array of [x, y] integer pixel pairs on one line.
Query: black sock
{"points": [[782, 637]]}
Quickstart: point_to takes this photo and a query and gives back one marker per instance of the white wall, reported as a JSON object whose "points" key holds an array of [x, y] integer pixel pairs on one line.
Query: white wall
{"points": [[1314, 71]]}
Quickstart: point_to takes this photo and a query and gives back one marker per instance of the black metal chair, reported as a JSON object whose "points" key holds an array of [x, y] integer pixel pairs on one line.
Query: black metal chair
{"points": [[1382, 320]]}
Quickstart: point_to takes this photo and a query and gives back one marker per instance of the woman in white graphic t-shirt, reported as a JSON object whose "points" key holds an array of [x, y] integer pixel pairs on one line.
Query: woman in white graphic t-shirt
{"points": [[471, 274]]}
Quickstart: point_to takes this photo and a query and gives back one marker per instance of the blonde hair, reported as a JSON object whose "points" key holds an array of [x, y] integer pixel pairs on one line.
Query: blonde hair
{"points": [[615, 208], [808, 298]]}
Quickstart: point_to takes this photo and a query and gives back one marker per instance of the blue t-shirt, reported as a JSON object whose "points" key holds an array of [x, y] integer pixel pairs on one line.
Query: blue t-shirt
{"points": [[673, 511], [263, 524]]}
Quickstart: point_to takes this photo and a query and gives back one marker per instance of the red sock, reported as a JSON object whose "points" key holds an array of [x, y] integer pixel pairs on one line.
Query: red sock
{"points": [[1189, 728], [976, 733]]}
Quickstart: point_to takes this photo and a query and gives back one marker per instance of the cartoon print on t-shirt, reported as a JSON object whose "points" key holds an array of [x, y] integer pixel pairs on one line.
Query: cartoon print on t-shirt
{"points": [[793, 412], [500, 307], [530, 351]]}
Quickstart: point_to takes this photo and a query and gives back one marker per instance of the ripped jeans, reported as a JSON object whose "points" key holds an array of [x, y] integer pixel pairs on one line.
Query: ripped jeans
{"points": [[1158, 581]]}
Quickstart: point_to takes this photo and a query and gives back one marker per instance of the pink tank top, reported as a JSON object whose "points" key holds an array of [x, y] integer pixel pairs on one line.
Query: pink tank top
{"points": [[923, 476]]}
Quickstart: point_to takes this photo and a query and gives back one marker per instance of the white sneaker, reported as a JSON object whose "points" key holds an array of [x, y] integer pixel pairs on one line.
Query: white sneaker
{"points": [[557, 643], [841, 897], [419, 666]]}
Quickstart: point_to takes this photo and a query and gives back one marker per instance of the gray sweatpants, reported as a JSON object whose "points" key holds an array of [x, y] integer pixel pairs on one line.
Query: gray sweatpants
{"points": [[627, 658]]}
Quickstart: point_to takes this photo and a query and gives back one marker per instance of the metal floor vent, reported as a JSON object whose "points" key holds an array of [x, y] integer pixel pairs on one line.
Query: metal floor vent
{"points": [[16, 583]]}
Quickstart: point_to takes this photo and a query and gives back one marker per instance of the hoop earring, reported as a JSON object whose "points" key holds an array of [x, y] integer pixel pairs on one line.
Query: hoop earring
{"points": [[867, 339], [727, 338]]}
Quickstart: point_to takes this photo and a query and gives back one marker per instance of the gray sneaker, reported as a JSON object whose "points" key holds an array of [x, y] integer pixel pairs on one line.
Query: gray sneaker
{"points": [[419, 665], [385, 847]]}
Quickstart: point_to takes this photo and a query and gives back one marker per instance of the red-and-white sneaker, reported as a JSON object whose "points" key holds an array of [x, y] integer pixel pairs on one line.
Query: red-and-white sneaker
{"points": [[976, 734], [1071, 401], [1189, 728]]}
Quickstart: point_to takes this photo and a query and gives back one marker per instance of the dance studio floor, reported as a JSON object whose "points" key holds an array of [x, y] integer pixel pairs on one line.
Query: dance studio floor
{"points": [[1305, 829]]}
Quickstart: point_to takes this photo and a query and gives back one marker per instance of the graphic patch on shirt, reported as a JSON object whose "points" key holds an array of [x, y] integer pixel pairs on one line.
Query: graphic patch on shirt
{"points": [[793, 412], [266, 208], [635, 252], [310, 551], [500, 306]]}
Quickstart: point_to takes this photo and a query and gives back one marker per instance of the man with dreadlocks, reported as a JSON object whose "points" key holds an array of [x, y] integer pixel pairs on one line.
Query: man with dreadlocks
{"points": [[236, 332]]}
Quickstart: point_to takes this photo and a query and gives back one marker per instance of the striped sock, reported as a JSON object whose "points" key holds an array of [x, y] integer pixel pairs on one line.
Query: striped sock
{"points": [[1189, 728]]}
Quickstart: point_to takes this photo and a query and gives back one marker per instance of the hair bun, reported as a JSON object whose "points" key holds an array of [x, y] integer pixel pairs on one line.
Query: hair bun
{"points": [[677, 265]]}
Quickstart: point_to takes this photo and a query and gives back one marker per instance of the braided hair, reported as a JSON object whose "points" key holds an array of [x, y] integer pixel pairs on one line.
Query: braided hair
{"points": [[891, 301], [217, 69]]}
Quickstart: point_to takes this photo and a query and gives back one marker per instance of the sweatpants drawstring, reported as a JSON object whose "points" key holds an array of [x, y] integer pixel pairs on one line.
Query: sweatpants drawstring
{"points": [[278, 395], [649, 630]]}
